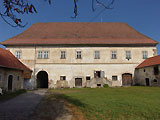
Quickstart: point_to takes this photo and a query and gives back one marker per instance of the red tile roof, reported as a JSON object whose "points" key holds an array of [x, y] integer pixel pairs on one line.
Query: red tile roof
{"points": [[150, 62], [8, 60], [79, 33]]}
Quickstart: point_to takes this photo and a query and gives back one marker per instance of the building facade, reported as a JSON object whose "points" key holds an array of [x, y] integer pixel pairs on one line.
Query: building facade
{"points": [[81, 54]]}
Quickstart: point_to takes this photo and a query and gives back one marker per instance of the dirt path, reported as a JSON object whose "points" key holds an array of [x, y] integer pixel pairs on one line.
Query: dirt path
{"points": [[20, 107]]}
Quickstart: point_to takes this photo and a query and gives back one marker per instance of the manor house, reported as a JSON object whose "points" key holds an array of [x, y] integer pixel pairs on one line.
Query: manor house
{"points": [[81, 54]]}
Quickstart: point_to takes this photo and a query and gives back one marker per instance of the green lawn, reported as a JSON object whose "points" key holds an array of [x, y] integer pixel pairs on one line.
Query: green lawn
{"points": [[133, 103]]}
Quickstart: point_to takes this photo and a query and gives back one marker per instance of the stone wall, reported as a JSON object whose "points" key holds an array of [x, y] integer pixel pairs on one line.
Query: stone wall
{"points": [[147, 72], [17, 81]]}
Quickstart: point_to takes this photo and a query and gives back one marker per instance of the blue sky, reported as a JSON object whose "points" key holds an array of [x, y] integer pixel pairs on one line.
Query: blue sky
{"points": [[142, 15]]}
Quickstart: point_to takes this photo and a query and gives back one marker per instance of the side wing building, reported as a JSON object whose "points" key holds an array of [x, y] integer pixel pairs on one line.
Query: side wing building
{"points": [[81, 54]]}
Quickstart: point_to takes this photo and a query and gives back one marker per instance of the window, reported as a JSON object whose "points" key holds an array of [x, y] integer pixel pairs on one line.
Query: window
{"points": [[0, 77], [40, 55], [62, 77], [114, 78], [114, 54], [43, 54], [144, 70], [144, 54], [17, 78], [155, 80], [63, 54], [156, 70], [96, 55], [46, 54], [128, 55], [99, 74], [98, 85], [18, 54], [79, 55], [88, 78]]}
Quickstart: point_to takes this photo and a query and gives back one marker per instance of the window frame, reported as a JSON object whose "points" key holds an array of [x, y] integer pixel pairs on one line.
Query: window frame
{"points": [[18, 54], [45, 54], [128, 55], [63, 55], [144, 54], [97, 54], [62, 77], [113, 54], [40, 55], [113, 77], [78, 54]]}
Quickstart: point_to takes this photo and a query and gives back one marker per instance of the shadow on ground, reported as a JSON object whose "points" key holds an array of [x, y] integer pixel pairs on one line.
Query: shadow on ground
{"points": [[56, 106]]}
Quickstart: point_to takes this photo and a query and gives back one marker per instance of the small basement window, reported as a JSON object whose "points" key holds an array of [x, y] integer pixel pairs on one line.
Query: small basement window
{"points": [[98, 85], [114, 78], [62, 77], [88, 78]]}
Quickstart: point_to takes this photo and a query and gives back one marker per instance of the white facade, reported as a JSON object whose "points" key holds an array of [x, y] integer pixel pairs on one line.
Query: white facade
{"points": [[72, 68]]}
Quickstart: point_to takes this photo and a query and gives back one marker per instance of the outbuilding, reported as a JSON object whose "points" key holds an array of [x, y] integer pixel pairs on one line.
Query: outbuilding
{"points": [[148, 72], [12, 71]]}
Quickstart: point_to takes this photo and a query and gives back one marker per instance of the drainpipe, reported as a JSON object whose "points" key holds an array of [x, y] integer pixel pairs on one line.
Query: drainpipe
{"points": [[34, 73]]}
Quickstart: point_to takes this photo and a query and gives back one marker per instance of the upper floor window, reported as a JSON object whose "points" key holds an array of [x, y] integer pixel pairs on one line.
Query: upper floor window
{"points": [[63, 54], [128, 55], [43, 54], [79, 55], [18, 54], [97, 55], [40, 55], [144, 54], [114, 54], [46, 54]]}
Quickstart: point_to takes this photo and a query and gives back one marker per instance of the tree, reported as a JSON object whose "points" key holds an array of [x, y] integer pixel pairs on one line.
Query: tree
{"points": [[14, 9]]}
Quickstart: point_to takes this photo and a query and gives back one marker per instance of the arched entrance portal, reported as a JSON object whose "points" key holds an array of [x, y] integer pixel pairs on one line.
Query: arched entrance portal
{"points": [[126, 79], [42, 79], [10, 80]]}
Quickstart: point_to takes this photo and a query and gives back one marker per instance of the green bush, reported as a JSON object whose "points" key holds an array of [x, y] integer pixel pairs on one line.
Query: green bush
{"points": [[105, 85]]}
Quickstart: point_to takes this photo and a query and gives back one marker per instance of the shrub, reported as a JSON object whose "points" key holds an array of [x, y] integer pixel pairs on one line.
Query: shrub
{"points": [[105, 85]]}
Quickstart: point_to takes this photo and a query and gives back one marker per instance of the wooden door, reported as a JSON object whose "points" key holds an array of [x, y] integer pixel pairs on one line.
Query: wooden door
{"points": [[78, 82], [126, 79]]}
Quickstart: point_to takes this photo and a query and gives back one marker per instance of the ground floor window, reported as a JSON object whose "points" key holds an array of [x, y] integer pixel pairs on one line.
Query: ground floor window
{"points": [[62, 77], [98, 74], [114, 78], [88, 78]]}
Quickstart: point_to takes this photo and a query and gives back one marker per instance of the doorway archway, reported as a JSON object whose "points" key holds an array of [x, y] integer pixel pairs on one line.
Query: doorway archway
{"points": [[10, 82], [42, 79]]}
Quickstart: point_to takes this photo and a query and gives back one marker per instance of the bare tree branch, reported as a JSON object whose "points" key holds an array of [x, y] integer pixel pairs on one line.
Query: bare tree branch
{"points": [[12, 8]]}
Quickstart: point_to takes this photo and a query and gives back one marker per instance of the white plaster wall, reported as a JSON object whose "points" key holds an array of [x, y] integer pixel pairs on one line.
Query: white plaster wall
{"points": [[72, 67], [82, 70]]}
